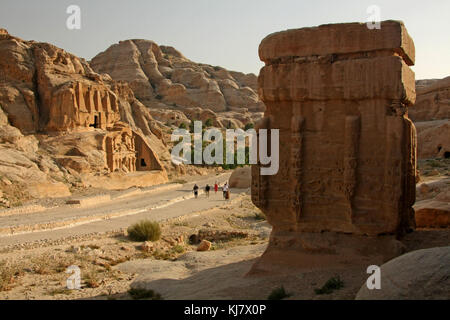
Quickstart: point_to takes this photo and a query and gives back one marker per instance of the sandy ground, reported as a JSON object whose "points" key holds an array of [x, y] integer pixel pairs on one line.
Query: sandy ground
{"points": [[33, 265], [111, 264], [39, 271], [66, 221]]}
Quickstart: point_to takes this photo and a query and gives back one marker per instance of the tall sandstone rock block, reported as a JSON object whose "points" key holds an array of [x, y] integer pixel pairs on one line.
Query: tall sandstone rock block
{"points": [[339, 94]]}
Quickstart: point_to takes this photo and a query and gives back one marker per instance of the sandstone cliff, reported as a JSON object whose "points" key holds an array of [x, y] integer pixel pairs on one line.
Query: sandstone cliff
{"points": [[431, 115], [60, 121], [162, 78]]}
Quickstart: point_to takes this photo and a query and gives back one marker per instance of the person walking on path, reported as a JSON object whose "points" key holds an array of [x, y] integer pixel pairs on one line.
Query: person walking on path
{"points": [[225, 190], [207, 189], [216, 187], [195, 191]]}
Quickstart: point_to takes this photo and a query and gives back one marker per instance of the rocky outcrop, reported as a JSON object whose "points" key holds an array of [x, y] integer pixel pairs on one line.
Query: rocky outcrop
{"points": [[433, 139], [434, 212], [241, 178], [418, 275], [347, 148], [433, 100], [67, 120], [431, 115], [161, 77], [25, 172]]}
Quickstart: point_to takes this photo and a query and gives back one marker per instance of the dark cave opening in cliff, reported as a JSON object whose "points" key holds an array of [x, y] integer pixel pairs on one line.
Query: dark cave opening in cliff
{"points": [[95, 124]]}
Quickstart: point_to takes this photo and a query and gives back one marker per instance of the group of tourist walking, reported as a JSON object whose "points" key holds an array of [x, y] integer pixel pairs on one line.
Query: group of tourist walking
{"points": [[225, 190]]}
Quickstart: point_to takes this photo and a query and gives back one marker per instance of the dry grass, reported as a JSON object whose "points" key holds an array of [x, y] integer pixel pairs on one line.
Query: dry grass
{"points": [[332, 284], [42, 265], [279, 294], [8, 275], [59, 291], [145, 230], [91, 278], [179, 249], [143, 294]]}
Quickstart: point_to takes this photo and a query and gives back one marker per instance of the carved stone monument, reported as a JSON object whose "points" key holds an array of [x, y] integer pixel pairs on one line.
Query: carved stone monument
{"points": [[346, 185]]}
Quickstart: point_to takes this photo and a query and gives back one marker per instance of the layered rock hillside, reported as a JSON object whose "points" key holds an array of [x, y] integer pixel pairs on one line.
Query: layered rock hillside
{"points": [[431, 115], [62, 125], [179, 89]]}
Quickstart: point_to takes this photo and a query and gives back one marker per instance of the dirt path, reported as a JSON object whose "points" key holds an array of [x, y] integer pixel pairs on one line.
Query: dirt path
{"points": [[113, 215]]}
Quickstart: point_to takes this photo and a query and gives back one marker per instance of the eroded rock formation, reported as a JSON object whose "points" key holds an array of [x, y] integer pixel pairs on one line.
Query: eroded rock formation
{"points": [[339, 95], [431, 115], [66, 120], [162, 78], [433, 100]]}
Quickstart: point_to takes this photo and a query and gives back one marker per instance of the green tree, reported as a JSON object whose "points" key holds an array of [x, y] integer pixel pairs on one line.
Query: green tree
{"points": [[209, 123], [249, 125]]}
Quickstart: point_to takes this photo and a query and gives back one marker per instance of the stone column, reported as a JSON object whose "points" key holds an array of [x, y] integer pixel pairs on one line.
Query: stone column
{"points": [[339, 95]]}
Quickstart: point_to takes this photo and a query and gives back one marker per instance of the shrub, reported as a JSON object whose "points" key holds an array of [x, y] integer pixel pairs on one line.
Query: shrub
{"points": [[260, 215], [435, 164], [158, 97], [278, 294], [178, 249], [42, 265], [192, 126], [249, 125], [59, 291], [91, 278], [144, 231], [183, 126], [141, 294], [209, 123], [180, 181], [332, 284], [7, 275]]}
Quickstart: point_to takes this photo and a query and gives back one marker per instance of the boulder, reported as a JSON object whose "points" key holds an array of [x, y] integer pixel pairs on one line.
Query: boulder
{"points": [[418, 275], [433, 213], [147, 246], [204, 245], [241, 178]]}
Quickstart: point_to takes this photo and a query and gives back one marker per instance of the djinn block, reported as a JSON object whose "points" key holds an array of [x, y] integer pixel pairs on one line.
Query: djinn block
{"points": [[339, 94]]}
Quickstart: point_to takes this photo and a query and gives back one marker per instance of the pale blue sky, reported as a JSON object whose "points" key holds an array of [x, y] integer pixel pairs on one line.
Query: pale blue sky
{"points": [[221, 32]]}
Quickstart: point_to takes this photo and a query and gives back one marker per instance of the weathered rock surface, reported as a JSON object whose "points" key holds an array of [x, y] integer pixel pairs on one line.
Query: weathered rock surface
{"points": [[161, 77], [433, 100], [433, 139], [434, 213], [418, 275], [347, 147], [87, 123], [429, 190], [431, 115], [204, 245], [241, 178]]}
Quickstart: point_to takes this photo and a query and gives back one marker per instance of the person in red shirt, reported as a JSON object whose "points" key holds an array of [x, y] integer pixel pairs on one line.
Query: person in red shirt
{"points": [[216, 187]]}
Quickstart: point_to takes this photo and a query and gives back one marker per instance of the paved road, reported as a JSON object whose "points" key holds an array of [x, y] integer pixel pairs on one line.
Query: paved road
{"points": [[69, 221]]}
